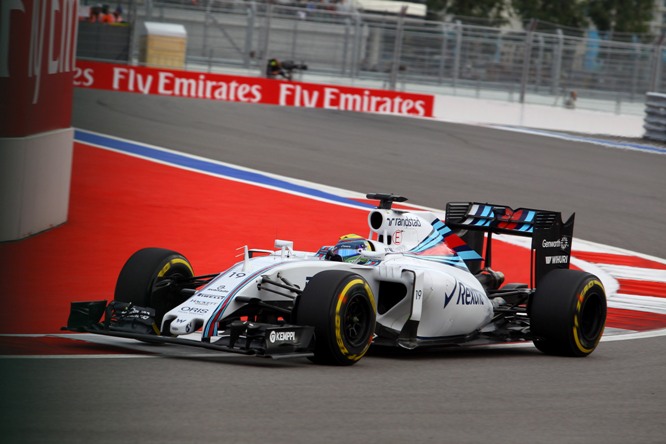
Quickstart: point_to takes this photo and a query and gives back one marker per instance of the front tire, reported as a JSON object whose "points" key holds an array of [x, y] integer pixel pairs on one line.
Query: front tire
{"points": [[568, 313], [341, 307], [143, 277]]}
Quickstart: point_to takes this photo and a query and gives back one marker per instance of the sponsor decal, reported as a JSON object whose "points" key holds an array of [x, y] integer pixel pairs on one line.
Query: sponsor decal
{"points": [[200, 302], [406, 222], [362, 100], [397, 237], [554, 260], [464, 295], [174, 83], [37, 65], [220, 288], [212, 86], [282, 336], [188, 326], [194, 310], [218, 297], [562, 243]]}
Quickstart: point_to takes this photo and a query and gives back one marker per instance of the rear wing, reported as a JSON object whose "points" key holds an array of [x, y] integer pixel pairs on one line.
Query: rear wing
{"points": [[551, 238]]}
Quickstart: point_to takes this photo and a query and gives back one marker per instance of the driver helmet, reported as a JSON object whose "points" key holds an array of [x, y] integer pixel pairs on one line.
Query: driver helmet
{"points": [[349, 248]]}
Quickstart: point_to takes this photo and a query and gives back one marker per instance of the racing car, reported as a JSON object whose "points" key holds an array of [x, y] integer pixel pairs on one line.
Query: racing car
{"points": [[415, 281]]}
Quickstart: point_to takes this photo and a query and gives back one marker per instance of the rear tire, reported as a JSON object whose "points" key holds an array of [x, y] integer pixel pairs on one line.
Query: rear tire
{"points": [[341, 307], [138, 281], [568, 313]]}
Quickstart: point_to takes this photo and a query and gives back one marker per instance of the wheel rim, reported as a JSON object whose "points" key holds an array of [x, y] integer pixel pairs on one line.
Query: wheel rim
{"points": [[592, 317], [356, 321]]}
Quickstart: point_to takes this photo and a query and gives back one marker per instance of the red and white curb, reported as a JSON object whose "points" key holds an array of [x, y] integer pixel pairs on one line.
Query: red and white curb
{"points": [[635, 283]]}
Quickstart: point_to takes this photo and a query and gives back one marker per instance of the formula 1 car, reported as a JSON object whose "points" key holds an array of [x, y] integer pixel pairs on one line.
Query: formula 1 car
{"points": [[415, 281]]}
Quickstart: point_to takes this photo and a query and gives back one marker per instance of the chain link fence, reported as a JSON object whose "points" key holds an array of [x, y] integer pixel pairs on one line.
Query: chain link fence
{"points": [[342, 44]]}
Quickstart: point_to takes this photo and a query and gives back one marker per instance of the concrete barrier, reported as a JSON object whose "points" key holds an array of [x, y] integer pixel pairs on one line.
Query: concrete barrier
{"points": [[36, 85], [655, 117], [491, 112], [35, 176]]}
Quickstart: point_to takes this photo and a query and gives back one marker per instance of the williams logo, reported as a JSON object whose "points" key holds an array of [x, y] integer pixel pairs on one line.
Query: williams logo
{"points": [[464, 296]]}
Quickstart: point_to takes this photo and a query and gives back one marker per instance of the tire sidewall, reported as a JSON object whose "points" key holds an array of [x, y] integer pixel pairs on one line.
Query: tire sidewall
{"points": [[585, 342], [143, 270], [325, 304], [353, 290], [568, 313]]}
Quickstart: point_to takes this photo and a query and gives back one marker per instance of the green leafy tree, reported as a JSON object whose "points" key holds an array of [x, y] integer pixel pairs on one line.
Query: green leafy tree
{"points": [[570, 13], [621, 15]]}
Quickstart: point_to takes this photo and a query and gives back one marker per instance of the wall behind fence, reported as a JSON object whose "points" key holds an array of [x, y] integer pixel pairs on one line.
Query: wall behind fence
{"points": [[451, 58]]}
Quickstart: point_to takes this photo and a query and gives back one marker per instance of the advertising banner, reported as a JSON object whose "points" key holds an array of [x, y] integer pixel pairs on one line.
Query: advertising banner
{"points": [[37, 61], [178, 83]]}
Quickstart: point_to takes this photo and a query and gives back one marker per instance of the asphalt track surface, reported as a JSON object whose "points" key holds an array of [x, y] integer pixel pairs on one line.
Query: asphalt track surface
{"points": [[618, 195], [616, 395]]}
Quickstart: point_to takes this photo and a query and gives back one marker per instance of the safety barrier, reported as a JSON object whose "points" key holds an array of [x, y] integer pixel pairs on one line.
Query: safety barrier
{"points": [[655, 117], [535, 66]]}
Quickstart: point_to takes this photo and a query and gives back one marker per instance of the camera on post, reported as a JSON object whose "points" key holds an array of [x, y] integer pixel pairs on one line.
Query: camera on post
{"points": [[285, 69]]}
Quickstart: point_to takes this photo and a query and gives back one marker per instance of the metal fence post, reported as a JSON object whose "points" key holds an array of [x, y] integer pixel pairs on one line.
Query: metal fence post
{"points": [[657, 55], [134, 31], [658, 70], [294, 39], [527, 57], [442, 54], [149, 9], [397, 49], [345, 46], [458, 53], [263, 59], [539, 62], [635, 69], [206, 22], [356, 46], [557, 63], [249, 32]]}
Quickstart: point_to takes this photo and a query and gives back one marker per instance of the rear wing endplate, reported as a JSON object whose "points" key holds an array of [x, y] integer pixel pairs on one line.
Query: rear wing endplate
{"points": [[551, 238]]}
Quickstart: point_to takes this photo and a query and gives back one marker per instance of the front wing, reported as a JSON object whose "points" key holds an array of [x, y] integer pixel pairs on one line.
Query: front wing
{"points": [[125, 320]]}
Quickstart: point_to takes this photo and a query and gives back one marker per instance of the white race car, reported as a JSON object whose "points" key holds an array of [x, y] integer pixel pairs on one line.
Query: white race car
{"points": [[413, 282]]}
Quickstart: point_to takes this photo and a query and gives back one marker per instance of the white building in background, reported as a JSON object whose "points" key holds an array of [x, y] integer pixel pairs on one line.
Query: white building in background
{"points": [[412, 9]]}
